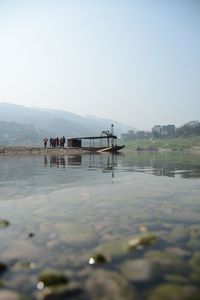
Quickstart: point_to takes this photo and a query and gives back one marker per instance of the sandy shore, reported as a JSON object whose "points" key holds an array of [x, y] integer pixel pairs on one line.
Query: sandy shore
{"points": [[39, 150], [17, 150]]}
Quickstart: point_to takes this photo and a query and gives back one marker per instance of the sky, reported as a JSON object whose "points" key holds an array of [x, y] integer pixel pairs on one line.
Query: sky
{"points": [[136, 62]]}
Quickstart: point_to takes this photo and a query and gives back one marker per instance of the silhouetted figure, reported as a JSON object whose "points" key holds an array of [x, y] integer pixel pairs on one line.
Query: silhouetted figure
{"points": [[51, 142], [57, 142], [45, 140], [63, 141]]}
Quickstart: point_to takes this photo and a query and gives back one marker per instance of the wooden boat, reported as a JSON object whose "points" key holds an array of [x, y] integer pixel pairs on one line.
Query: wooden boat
{"points": [[92, 146]]}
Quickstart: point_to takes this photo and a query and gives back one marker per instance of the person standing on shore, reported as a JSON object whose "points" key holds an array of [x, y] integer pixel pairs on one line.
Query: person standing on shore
{"points": [[51, 142], [57, 142], [45, 140], [63, 141]]}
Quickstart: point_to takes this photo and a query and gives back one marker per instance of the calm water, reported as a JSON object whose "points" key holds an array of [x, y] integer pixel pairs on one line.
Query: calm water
{"points": [[63, 210]]}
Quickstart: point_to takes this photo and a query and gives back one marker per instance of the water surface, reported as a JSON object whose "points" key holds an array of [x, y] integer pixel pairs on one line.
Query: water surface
{"points": [[65, 209]]}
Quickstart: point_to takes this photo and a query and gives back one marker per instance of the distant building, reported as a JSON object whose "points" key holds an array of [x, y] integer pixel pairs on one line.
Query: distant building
{"points": [[168, 130], [156, 131], [163, 131], [143, 134]]}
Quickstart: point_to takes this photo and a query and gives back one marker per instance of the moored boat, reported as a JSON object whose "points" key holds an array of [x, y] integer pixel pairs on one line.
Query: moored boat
{"points": [[92, 142]]}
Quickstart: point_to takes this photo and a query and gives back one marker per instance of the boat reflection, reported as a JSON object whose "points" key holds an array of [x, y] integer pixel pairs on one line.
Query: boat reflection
{"points": [[111, 163], [105, 162]]}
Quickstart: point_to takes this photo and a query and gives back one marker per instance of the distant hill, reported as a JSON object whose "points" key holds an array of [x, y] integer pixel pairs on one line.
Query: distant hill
{"points": [[20, 125], [12, 134]]}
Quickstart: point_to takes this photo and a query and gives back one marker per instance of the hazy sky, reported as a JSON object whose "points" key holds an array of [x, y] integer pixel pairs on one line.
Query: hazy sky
{"points": [[137, 61]]}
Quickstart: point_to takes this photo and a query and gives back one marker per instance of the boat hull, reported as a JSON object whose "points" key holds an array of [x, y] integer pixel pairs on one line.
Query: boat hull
{"points": [[113, 149]]}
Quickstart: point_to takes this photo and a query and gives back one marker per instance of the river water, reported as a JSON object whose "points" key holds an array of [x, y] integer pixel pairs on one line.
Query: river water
{"points": [[117, 226]]}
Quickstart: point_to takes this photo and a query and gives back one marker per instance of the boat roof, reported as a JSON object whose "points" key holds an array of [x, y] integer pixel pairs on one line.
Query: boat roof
{"points": [[95, 137]]}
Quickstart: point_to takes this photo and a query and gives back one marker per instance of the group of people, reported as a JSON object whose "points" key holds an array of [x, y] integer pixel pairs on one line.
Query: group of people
{"points": [[54, 142]]}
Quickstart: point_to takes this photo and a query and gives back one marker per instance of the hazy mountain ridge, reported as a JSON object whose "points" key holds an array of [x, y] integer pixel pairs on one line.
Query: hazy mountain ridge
{"points": [[12, 134], [21, 125]]}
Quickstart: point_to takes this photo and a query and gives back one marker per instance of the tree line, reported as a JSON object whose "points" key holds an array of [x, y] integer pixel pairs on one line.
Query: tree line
{"points": [[191, 128]]}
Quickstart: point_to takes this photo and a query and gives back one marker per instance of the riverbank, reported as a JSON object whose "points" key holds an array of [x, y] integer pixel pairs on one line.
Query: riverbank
{"points": [[191, 144], [5, 150], [158, 145]]}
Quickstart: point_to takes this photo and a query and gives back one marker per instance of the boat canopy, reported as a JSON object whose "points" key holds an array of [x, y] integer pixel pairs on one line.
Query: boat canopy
{"points": [[77, 142]]}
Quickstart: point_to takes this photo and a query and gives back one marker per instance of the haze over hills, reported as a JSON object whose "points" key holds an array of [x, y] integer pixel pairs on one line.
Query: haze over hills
{"points": [[20, 125]]}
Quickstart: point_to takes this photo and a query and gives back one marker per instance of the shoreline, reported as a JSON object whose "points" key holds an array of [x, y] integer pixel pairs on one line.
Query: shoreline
{"points": [[16, 150], [23, 150]]}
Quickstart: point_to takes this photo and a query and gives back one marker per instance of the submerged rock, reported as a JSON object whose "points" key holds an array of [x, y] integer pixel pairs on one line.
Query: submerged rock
{"points": [[195, 260], [19, 266], [10, 295], [194, 231], [178, 251], [178, 233], [140, 270], [193, 244], [105, 285], [174, 292], [74, 234], [120, 247], [22, 249], [167, 261], [194, 263], [143, 240], [69, 291], [98, 258], [4, 223], [186, 215], [113, 248], [31, 234], [176, 278], [52, 277], [1, 283], [143, 228], [3, 267]]}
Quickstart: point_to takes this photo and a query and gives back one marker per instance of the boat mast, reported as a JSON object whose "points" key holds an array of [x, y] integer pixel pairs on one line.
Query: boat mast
{"points": [[112, 133]]}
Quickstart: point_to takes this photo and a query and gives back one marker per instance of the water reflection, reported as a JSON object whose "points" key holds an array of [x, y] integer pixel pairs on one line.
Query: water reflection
{"points": [[75, 160], [75, 168], [92, 161], [55, 161], [163, 164], [111, 165], [105, 162], [156, 164]]}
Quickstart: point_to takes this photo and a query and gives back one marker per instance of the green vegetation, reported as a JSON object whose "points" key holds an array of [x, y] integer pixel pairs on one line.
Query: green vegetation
{"points": [[189, 129], [175, 143]]}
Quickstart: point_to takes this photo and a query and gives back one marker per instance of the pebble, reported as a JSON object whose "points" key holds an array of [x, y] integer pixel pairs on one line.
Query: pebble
{"points": [[52, 277]]}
